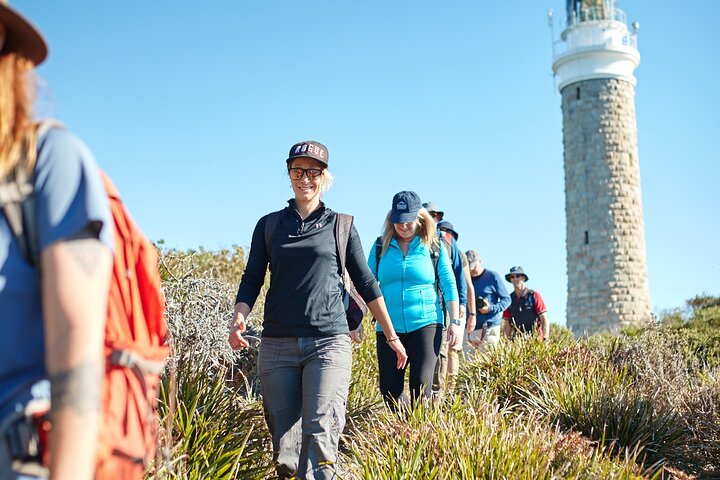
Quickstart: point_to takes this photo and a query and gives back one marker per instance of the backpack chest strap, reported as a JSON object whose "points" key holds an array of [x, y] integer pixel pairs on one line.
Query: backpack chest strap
{"points": [[133, 361]]}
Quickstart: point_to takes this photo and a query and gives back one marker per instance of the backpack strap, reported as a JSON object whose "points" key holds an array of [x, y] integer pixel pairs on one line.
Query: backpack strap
{"points": [[435, 257], [343, 225], [531, 296], [378, 252], [18, 202]]}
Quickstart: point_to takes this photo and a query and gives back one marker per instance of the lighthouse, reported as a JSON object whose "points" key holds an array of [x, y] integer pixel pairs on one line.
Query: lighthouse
{"points": [[594, 61]]}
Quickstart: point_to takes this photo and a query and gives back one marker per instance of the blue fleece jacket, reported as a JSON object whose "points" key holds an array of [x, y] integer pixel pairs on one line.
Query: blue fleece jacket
{"points": [[408, 285]]}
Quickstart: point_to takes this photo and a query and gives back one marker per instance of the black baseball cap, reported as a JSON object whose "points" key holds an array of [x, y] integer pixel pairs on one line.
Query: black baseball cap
{"points": [[405, 207], [309, 149]]}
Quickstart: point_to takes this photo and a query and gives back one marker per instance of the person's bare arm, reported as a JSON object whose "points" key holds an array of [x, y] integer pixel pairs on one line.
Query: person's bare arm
{"points": [[507, 328], [379, 311], [238, 325], [75, 282], [545, 325], [471, 312]]}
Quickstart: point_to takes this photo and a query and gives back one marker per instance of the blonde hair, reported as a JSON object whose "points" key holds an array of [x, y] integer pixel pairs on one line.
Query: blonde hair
{"points": [[17, 130], [327, 181], [426, 230]]}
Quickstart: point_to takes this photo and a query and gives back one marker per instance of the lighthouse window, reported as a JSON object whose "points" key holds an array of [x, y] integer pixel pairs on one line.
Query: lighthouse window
{"points": [[587, 237], [577, 97]]}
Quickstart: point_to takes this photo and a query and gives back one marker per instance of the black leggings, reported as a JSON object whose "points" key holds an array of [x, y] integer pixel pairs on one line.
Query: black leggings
{"points": [[423, 348]]}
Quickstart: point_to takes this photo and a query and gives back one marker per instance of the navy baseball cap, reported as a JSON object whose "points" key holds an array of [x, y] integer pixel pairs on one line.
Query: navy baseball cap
{"points": [[516, 271], [309, 149], [444, 225], [405, 207]]}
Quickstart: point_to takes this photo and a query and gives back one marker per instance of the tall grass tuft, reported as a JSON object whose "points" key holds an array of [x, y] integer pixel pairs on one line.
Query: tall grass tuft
{"points": [[215, 432], [461, 441]]}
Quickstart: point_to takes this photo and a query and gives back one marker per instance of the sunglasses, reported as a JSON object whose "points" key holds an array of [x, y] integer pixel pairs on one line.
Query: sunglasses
{"points": [[296, 173], [514, 276]]}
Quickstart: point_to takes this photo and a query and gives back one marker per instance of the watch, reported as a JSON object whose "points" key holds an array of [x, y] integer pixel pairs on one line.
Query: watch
{"points": [[455, 321]]}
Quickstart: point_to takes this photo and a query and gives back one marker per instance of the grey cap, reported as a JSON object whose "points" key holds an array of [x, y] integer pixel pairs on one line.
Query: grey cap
{"points": [[433, 207], [516, 271]]}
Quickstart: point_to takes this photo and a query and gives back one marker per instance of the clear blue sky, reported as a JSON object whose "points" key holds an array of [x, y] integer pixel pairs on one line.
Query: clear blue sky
{"points": [[192, 107]]}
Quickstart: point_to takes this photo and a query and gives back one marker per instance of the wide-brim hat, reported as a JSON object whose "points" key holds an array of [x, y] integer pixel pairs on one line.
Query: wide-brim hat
{"points": [[516, 271], [447, 226], [21, 36]]}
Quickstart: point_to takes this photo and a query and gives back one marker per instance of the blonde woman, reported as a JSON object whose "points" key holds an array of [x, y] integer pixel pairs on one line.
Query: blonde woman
{"points": [[305, 353], [409, 267], [53, 323]]}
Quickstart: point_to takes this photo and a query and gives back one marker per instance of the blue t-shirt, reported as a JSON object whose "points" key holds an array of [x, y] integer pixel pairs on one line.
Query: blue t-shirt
{"points": [[490, 286], [69, 195]]}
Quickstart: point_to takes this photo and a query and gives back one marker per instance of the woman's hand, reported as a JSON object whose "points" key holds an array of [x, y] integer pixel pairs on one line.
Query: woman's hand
{"points": [[399, 350], [357, 334], [471, 322], [237, 328], [454, 335]]}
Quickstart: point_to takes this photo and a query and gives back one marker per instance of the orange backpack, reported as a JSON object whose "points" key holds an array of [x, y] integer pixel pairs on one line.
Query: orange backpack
{"points": [[135, 332], [135, 350]]}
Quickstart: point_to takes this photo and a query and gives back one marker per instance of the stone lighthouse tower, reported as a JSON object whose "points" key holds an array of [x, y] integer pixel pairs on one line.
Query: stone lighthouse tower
{"points": [[594, 62]]}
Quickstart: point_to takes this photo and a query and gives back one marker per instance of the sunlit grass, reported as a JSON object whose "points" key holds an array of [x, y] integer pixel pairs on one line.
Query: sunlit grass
{"points": [[643, 406]]}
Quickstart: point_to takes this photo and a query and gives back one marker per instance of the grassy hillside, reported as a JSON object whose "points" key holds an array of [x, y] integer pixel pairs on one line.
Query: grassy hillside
{"points": [[645, 404]]}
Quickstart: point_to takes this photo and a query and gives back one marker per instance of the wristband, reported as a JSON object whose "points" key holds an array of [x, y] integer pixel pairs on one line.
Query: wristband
{"points": [[472, 314], [390, 340], [455, 321]]}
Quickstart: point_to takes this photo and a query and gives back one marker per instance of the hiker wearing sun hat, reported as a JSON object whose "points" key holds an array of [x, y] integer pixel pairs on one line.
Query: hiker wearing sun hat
{"points": [[19, 36], [527, 310], [52, 342]]}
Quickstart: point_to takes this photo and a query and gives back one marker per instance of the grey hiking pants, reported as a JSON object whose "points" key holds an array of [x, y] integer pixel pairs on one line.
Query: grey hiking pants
{"points": [[305, 383]]}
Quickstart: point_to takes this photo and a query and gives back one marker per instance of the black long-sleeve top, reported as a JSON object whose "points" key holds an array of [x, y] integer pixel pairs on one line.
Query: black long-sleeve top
{"points": [[305, 298]]}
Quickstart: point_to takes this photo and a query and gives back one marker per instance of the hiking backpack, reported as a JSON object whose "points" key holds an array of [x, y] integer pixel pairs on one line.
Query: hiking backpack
{"points": [[517, 309], [355, 307], [135, 331]]}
